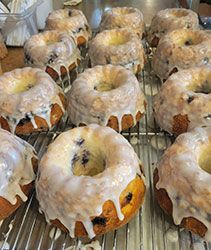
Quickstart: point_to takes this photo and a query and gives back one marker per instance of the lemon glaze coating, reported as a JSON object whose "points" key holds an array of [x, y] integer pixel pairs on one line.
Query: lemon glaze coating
{"points": [[70, 192], [184, 175], [123, 17], [104, 91], [181, 49], [117, 47], [168, 20], [191, 90], [52, 49], [26, 93], [16, 166], [72, 21]]}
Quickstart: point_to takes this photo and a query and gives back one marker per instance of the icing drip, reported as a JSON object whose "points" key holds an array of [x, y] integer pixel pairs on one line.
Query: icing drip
{"points": [[123, 17], [83, 196], [191, 197], [173, 53], [133, 66], [5, 245], [172, 235], [55, 233], [178, 96], [94, 245], [31, 101], [160, 142], [72, 21], [15, 166], [172, 19], [52, 49], [87, 105], [118, 47]]}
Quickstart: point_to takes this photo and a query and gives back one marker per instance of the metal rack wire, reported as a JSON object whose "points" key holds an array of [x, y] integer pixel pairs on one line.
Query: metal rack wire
{"points": [[149, 229]]}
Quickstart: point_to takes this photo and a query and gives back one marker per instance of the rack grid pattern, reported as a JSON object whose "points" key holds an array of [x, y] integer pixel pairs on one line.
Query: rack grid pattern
{"points": [[149, 229]]}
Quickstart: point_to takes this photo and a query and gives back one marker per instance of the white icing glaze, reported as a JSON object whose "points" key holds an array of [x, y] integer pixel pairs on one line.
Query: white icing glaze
{"points": [[134, 140], [118, 47], [52, 49], [197, 246], [40, 93], [94, 245], [172, 19], [160, 142], [71, 198], [187, 185], [72, 21], [123, 17], [5, 245], [55, 233], [176, 98], [87, 105], [173, 53], [172, 234], [15, 166]]}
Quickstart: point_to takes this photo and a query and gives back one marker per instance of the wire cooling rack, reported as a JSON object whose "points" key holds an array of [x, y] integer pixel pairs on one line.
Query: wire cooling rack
{"points": [[149, 229]]}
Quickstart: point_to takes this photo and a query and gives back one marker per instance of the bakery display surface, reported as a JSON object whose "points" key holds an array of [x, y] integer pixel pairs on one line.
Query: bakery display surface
{"points": [[150, 228], [3, 49]]}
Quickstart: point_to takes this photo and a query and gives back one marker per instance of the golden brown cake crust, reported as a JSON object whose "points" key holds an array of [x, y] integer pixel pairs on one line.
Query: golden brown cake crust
{"points": [[180, 124], [1, 72], [154, 42], [189, 223], [81, 40], [63, 71], [27, 127], [130, 199], [127, 121], [139, 67], [6, 208], [3, 49]]}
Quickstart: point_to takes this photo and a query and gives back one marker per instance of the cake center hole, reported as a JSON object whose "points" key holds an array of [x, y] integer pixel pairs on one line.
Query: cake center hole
{"points": [[117, 40], [104, 86], [188, 42], [179, 14], [125, 11], [52, 40], [186, 38], [88, 160], [22, 85], [192, 39], [205, 158], [204, 88]]}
